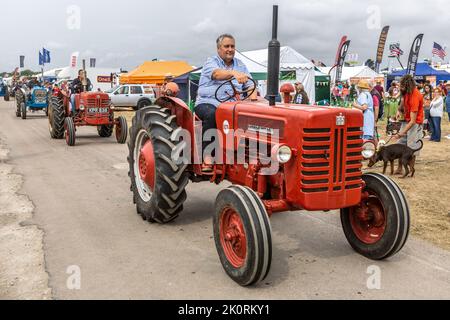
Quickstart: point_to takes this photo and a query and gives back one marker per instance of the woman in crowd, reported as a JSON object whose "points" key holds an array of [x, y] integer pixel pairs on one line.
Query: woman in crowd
{"points": [[436, 114], [365, 104], [345, 93], [427, 97]]}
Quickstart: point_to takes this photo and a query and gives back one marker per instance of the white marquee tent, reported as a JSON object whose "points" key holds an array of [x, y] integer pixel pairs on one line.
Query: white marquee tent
{"points": [[358, 72], [290, 60]]}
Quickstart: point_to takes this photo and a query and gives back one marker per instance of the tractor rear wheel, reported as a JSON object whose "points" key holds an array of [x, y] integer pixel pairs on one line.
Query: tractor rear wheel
{"points": [[121, 130], [105, 131], [378, 227], [243, 235], [69, 131], [18, 109], [56, 116], [157, 181]]}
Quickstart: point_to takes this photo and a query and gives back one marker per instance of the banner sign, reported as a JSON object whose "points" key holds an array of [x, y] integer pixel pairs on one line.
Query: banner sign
{"points": [[340, 64], [22, 61], [74, 59], [104, 79], [381, 46], [338, 54], [414, 55]]}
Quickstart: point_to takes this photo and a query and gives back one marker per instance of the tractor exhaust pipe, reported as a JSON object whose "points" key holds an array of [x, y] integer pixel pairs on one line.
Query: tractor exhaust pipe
{"points": [[274, 61], [84, 82]]}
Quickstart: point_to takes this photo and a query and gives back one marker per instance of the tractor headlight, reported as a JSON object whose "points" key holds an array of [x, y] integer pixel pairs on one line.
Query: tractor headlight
{"points": [[369, 150], [284, 154], [81, 107]]}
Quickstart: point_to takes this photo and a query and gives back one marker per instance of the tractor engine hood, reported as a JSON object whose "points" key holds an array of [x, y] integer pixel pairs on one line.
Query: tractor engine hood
{"points": [[289, 120]]}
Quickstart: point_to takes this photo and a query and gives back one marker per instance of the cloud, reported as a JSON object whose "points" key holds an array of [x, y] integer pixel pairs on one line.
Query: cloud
{"points": [[126, 36], [55, 45], [205, 25]]}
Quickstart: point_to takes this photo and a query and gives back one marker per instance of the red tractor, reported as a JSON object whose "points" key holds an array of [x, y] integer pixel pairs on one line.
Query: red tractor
{"points": [[91, 109], [318, 158]]}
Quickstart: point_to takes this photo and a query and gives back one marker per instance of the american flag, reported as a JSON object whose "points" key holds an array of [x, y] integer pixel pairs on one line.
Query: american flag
{"points": [[395, 50], [439, 51]]}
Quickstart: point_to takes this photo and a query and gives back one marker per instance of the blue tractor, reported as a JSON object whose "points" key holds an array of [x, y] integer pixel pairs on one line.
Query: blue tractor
{"points": [[31, 99], [4, 92]]}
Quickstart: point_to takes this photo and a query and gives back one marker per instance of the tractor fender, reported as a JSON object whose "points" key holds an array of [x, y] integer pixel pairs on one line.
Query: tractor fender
{"points": [[176, 102], [185, 117], [22, 91]]}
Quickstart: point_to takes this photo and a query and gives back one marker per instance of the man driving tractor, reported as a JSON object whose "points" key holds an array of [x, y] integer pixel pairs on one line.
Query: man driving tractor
{"points": [[218, 69], [77, 87]]}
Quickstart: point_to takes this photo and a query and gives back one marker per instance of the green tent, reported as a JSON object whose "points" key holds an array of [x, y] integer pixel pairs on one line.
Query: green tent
{"points": [[323, 89]]}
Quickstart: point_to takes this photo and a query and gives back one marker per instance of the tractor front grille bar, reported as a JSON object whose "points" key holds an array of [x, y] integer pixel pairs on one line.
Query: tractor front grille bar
{"points": [[331, 159]]}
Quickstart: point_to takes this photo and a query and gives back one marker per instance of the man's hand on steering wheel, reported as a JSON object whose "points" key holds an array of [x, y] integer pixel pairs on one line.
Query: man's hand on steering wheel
{"points": [[236, 93], [240, 77]]}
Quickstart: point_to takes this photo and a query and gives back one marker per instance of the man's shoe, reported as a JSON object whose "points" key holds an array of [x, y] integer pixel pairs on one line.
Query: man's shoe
{"points": [[207, 168], [207, 165]]}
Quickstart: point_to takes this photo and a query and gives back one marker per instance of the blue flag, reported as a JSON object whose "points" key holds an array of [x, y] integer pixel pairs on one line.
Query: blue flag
{"points": [[46, 54], [41, 59]]}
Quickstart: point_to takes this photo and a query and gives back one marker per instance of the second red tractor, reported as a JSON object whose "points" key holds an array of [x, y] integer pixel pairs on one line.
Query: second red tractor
{"points": [[91, 109]]}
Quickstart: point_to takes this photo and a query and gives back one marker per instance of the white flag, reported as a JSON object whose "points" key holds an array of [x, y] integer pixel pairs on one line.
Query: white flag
{"points": [[74, 59]]}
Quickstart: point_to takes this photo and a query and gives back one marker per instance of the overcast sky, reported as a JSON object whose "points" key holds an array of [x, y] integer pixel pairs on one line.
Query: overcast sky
{"points": [[126, 33]]}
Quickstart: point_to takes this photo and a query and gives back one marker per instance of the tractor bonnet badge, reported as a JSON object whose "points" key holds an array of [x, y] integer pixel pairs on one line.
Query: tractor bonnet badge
{"points": [[226, 127], [340, 120]]}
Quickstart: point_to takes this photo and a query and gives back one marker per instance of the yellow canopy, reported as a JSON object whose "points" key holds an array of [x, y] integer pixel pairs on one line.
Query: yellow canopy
{"points": [[156, 72]]}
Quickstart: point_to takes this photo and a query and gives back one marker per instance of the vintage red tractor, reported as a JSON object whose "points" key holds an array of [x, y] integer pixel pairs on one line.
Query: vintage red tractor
{"points": [[91, 109], [318, 167]]}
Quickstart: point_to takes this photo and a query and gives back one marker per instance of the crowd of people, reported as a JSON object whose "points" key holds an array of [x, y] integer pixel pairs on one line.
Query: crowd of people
{"points": [[377, 104], [436, 102]]}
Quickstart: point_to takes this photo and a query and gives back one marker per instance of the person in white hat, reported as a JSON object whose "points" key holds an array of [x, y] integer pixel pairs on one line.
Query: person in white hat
{"points": [[365, 104]]}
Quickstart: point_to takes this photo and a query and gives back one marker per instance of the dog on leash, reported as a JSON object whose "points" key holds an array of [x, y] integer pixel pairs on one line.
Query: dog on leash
{"points": [[390, 153]]}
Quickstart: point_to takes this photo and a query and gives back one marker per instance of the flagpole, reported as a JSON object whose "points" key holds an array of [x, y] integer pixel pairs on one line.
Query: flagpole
{"points": [[398, 58]]}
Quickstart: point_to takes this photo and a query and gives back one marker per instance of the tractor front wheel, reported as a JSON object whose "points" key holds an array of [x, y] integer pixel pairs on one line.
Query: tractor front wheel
{"points": [[243, 235], [23, 109], [121, 130], [158, 181], [378, 227], [69, 131]]}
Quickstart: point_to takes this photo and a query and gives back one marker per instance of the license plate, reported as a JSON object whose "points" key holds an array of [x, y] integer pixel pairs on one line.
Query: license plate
{"points": [[98, 110]]}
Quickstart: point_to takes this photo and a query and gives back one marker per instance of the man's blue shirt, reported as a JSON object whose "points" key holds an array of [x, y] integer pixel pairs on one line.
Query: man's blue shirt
{"points": [[208, 86]]}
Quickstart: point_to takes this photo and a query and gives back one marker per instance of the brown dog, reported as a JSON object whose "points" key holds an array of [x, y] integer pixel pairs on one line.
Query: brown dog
{"points": [[396, 151]]}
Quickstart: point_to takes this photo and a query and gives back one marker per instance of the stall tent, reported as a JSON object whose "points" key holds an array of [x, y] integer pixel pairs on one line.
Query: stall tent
{"points": [[156, 72], [424, 72]]}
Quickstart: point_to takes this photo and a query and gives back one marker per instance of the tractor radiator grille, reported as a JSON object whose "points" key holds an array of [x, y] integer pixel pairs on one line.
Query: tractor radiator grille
{"points": [[331, 159], [100, 103]]}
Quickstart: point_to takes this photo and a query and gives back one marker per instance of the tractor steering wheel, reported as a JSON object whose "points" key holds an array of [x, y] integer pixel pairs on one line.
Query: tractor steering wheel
{"points": [[236, 93]]}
